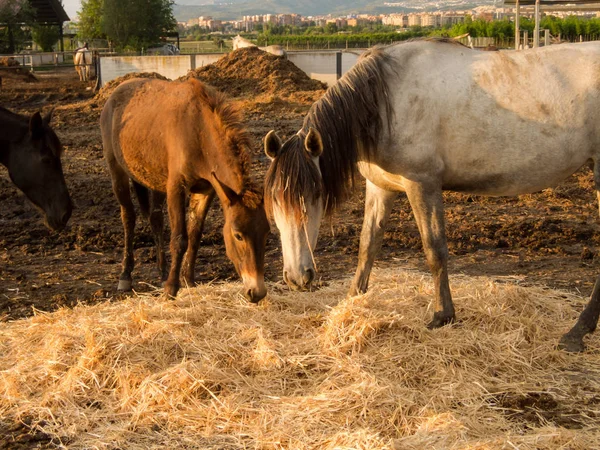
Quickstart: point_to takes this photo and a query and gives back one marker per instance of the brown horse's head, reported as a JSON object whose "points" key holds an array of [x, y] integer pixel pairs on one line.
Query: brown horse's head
{"points": [[245, 233], [34, 166]]}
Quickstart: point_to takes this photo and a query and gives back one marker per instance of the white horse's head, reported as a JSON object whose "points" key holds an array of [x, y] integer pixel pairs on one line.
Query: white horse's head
{"points": [[294, 198]]}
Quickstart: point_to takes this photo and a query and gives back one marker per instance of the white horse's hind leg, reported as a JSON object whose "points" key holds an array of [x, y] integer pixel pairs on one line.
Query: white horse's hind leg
{"points": [[588, 320], [378, 205], [428, 207]]}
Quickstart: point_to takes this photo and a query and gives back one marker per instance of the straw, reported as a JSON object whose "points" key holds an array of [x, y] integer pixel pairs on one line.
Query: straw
{"points": [[308, 370]]}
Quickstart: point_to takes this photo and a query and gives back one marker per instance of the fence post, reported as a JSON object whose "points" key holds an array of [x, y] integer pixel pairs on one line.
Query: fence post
{"points": [[338, 65], [98, 72]]}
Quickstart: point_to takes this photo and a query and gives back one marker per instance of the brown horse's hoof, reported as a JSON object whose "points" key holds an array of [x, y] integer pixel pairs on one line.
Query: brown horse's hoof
{"points": [[571, 344], [355, 292], [439, 321], [171, 291], [124, 285]]}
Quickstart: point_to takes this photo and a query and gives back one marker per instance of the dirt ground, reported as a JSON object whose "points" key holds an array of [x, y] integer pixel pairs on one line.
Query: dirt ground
{"points": [[549, 238]]}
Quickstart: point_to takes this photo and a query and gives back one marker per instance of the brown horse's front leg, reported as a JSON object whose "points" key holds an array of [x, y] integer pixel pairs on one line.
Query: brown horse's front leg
{"points": [[120, 183], [378, 204], [587, 322], [199, 206], [427, 204], [176, 208]]}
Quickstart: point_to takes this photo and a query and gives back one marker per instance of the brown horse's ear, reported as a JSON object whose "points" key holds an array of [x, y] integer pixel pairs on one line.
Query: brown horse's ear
{"points": [[48, 117], [36, 125], [225, 193], [272, 144], [313, 143]]}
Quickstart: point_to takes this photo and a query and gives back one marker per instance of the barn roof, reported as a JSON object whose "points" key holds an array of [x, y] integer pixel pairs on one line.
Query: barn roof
{"points": [[46, 11], [49, 11]]}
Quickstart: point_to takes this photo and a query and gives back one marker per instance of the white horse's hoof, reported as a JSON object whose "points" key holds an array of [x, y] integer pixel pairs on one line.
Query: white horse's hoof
{"points": [[124, 285]]}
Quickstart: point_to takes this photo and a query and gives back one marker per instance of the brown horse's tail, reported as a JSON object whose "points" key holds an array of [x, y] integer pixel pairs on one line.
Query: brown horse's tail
{"points": [[143, 195]]}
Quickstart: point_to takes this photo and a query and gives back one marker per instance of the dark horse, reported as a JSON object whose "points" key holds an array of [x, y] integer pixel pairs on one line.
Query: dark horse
{"points": [[180, 138], [31, 151]]}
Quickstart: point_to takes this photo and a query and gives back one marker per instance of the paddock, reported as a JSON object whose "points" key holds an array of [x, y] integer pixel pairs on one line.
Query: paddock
{"points": [[301, 370]]}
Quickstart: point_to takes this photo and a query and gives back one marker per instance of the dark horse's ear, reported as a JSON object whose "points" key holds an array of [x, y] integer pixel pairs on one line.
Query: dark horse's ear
{"points": [[313, 143], [48, 117], [36, 125], [224, 193], [272, 144]]}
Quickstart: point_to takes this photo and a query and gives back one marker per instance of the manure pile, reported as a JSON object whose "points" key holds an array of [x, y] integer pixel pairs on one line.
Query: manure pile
{"points": [[9, 62], [102, 96], [307, 370], [251, 71], [11, 68]]}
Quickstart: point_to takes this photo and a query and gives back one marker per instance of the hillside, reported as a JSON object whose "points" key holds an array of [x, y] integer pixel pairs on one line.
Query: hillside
{"points": [[235, 9]]}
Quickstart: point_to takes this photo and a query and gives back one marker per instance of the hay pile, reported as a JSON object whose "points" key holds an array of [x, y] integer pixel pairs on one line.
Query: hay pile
{"points": [[307, 370], [102, 96], [250, 72]]}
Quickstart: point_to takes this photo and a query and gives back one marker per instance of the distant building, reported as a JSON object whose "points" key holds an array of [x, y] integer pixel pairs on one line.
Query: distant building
{"points": [[397, 20], [414, 20]]}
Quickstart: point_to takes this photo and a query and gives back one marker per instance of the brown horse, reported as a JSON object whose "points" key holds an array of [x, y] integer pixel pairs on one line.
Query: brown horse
{"points": [[31, 151], [180, 138]]}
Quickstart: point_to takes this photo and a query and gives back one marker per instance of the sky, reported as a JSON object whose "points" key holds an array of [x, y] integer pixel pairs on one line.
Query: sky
{"points": [[71, 7]]}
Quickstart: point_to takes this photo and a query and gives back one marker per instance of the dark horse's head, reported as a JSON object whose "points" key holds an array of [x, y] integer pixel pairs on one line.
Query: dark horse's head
{"points": [[245, 233], [34, 165]]}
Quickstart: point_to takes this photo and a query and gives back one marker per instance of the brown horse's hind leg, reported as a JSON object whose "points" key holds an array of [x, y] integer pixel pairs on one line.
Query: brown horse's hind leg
{"points": [[428, 207], [587, 322], [199, 206], [176, 206], [120, 182], [157, 200]]}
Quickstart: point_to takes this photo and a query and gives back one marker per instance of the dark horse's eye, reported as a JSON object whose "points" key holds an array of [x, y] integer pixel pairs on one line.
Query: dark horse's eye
{"points": [[238, 236]]}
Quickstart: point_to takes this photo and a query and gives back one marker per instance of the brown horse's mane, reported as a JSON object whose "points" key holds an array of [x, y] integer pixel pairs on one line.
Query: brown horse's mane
{"points": [[239, 139], [350, 120]]}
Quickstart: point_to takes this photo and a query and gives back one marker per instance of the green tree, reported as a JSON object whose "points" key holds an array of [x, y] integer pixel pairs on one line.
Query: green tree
{"points": [[91, 20], [13, 15], [45, 36], [132, 24]]}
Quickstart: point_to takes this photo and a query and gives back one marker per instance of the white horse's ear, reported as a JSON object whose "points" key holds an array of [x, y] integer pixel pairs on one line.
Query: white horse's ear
{"points": [[225, 193], [313, 143], [272, 144], [48, 117]]}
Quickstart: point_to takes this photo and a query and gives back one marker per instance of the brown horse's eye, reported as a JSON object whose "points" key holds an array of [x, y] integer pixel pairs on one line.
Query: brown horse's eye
{"points": [[238, 236]]}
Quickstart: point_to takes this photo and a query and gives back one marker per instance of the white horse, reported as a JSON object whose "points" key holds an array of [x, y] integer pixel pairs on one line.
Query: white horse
{"points": [[240, 42], [166, 50], [83, 62], [427, 116]]}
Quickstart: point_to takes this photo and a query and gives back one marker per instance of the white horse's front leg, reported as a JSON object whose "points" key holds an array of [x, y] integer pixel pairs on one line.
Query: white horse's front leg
{"points": [[378, 205], [428, 207]]}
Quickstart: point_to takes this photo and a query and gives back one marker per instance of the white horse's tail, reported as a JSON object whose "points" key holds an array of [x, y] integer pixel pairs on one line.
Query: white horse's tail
{"points": [[83, 61]]}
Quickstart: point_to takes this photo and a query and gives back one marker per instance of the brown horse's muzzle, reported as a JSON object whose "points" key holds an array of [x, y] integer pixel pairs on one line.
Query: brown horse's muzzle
{"points": [[254, 288]]}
